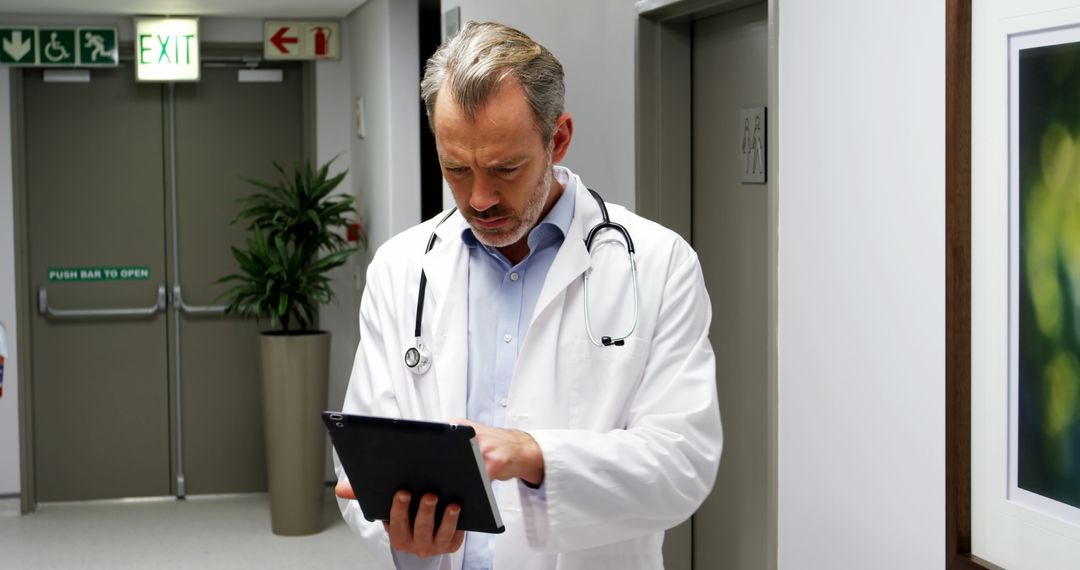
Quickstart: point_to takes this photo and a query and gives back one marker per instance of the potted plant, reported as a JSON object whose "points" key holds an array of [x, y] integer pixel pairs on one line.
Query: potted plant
{"points": [[295, 237]]}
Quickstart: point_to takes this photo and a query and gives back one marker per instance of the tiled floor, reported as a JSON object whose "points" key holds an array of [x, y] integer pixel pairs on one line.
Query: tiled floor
{"points": [[202, 533]]}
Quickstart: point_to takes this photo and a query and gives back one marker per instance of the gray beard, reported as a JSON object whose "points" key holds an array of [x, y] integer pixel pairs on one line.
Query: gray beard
{"points": [[529, 217]]}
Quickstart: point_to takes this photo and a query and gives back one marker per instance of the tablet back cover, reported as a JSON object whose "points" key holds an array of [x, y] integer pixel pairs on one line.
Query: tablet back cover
{"points": [[383, 455]]}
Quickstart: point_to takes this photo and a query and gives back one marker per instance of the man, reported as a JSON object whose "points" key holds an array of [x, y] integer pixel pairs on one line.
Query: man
{"points": [[596, 446]]}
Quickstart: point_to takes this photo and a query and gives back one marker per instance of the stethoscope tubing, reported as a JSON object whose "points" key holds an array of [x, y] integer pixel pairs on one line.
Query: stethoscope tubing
{"points": [[607, 340], [418, 357]]}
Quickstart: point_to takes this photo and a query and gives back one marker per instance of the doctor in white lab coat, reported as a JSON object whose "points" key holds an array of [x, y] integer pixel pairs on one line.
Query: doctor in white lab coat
{"points": [[603, 447]]}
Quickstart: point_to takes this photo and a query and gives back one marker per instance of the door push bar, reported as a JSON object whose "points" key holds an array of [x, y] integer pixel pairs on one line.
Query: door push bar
{"points": [[159, 306], [45, 310], [181, 306]]}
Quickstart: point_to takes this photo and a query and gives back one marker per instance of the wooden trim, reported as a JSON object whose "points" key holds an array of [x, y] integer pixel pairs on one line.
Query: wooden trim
{"points": [[958, 288]]}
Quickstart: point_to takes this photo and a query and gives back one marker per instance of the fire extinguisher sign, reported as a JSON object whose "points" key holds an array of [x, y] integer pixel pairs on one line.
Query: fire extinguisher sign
{"points": [[284, 39]]}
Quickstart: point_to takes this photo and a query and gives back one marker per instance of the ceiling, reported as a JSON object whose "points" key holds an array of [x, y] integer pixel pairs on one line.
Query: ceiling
{"points": [[233, 8]]}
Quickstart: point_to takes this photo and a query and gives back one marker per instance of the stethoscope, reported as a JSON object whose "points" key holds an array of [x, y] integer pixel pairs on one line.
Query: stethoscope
{"points": [[418, 357]]}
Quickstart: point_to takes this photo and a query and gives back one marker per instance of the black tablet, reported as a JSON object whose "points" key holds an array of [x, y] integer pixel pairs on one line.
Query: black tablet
{"points": [[383, 455]]}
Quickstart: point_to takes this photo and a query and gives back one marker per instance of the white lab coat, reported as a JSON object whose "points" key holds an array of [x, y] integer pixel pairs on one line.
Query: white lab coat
{"points": [[631, 435]]}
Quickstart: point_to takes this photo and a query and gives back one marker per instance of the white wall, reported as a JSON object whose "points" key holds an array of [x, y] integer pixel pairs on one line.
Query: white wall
{"points": [[861, 285], [9, 403], [333, 125], [594, 41], [385, 72]]}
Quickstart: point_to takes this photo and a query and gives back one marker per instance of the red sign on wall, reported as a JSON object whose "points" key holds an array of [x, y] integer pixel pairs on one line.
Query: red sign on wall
{"points": [[301, 40]]}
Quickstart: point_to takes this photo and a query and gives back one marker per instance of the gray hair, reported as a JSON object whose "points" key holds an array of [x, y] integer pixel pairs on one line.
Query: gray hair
{"points": [[473, 64]]}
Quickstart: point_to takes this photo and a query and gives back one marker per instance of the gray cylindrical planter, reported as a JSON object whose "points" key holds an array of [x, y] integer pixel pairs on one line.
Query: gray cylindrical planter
{"points": [[295, 373]]}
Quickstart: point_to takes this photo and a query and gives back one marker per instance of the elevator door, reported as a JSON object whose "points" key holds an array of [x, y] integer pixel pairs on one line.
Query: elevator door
{"points": [[730, 233], [162, 403]]}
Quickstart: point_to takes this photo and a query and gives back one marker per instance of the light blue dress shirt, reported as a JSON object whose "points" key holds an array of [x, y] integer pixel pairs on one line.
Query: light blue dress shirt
{"points": [[501, 302]]}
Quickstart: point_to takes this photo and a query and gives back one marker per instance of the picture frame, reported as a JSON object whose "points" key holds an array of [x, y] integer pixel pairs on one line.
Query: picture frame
{"points": [[1007, 524]]}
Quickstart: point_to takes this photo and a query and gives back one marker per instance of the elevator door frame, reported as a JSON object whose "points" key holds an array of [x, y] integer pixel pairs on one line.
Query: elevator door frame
{"points": [[229, 53], [664, 178]]}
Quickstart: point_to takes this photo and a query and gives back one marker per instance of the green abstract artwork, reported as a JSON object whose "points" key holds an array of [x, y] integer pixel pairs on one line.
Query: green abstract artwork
{"points": [[1048, 291]]}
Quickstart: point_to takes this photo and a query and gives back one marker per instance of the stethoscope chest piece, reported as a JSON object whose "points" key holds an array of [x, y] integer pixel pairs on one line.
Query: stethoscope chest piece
{"points": [[418, 359]]}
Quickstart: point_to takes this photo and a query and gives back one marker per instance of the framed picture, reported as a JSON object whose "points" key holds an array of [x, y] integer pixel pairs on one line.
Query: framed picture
{"points": [[1044, 271], [1025, 284]]}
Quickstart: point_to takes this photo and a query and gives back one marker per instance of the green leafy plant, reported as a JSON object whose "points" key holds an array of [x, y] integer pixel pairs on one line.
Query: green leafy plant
{"points": [[295, 237]]}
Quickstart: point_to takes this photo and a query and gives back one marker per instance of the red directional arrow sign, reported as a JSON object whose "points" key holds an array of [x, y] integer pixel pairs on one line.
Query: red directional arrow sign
{"points": [[299, 39], [281, 40]]}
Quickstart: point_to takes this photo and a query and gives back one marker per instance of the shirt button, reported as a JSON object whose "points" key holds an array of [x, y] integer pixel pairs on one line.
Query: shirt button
{"points": [[514, 277], [503, 402], [507, 337]]}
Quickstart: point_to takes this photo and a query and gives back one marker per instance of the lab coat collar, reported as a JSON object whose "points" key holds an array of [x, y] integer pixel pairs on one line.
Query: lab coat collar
{"points": [[572, 259], [446, 305]]}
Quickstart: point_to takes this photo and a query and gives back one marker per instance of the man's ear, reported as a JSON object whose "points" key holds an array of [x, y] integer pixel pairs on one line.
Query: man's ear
{"points": [[560, 138]]}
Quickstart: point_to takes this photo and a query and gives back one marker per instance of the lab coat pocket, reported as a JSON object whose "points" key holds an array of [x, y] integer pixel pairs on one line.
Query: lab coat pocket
{"points": [[604, 380]]}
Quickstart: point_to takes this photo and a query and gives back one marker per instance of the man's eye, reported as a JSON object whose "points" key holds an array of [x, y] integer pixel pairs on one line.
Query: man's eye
{"points": [[506, 169], [455, 169]]}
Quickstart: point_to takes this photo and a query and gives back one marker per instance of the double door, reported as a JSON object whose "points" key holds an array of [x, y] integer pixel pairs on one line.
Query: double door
{"points": [[139, 386]]}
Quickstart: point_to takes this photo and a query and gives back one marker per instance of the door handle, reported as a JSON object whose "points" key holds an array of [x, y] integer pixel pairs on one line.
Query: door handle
{"points": [[180, 306], [45, 310]]}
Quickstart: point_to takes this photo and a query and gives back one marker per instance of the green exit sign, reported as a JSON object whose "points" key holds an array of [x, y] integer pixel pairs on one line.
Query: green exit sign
{"points": [[167, 49]]}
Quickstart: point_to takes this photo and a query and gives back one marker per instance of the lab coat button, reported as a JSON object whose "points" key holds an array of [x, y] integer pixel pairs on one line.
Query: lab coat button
{"points": [[507, 337], [503, 402]]}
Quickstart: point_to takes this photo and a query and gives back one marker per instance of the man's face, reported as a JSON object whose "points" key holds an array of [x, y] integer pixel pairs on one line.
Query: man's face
{"points": [[498, 166]]}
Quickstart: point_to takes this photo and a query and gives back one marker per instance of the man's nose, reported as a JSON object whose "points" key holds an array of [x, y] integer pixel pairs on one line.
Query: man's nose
{"points": [[483, 195]]}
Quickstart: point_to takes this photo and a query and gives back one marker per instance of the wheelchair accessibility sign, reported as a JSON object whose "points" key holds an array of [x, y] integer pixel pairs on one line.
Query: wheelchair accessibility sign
{"points": [[58, 47]]}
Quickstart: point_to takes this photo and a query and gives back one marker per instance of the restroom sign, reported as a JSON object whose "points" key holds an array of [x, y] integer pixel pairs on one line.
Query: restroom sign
{"points": [[82, 274], [301, 40]]}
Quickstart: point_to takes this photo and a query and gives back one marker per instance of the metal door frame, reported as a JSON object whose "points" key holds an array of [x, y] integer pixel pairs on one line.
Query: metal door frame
{"points": [[664, 189], [23, 308], [25, 299]]}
